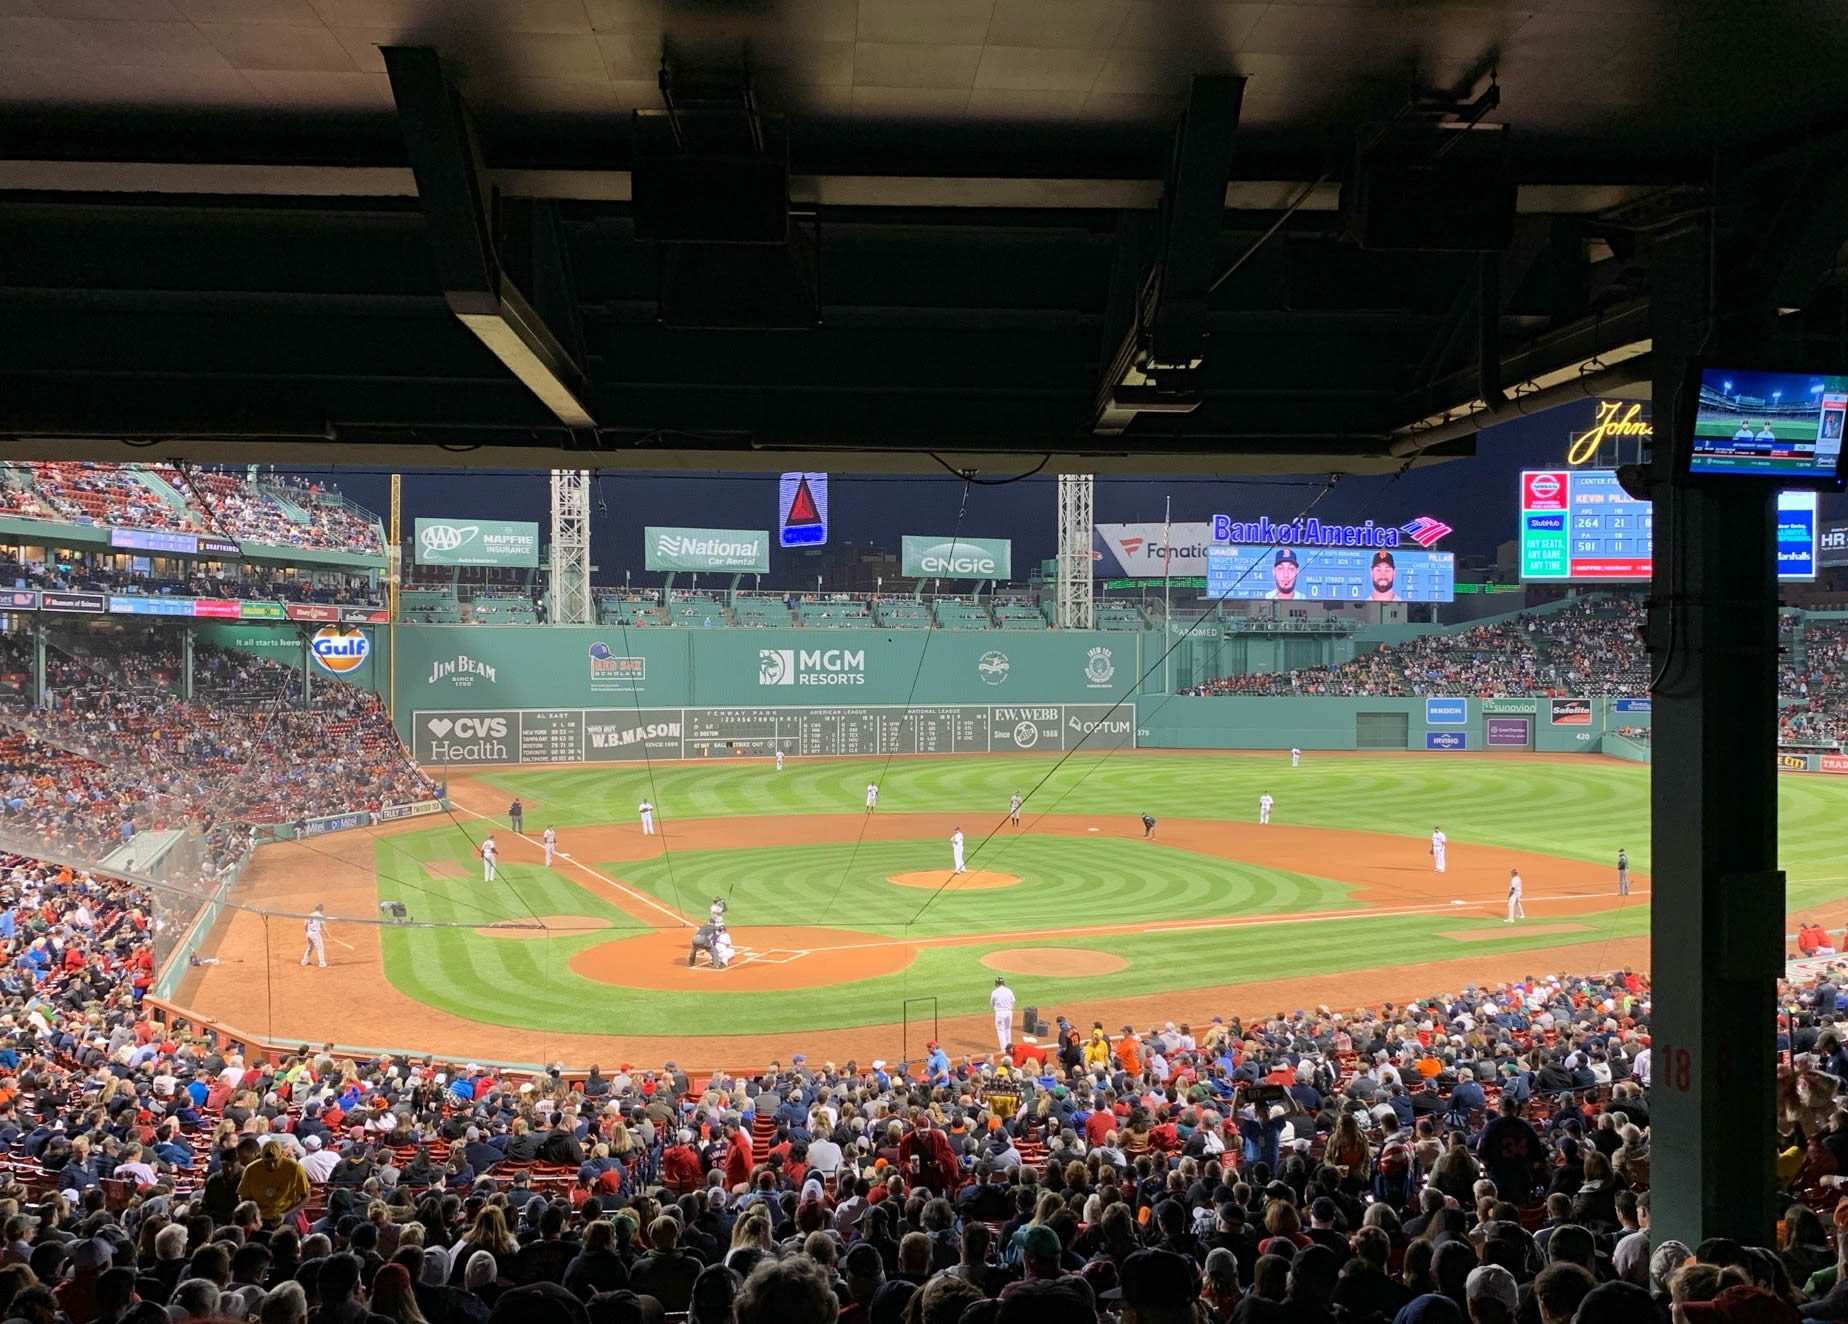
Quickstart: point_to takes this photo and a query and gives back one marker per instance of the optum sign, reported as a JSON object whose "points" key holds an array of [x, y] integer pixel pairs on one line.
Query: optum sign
{"points": [[957, 558]]}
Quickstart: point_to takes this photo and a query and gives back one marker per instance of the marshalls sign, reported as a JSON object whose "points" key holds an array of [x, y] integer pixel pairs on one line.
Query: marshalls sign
{"points": [[957, 558]]}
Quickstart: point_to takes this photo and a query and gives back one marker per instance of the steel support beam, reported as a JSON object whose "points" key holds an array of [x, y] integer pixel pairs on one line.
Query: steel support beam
{"points": [[1717, 899], [457, 211]]}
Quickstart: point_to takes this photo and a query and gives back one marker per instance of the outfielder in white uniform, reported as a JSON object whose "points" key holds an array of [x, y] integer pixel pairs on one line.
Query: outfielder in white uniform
{"points": [[1437, 849], [872, 796], [647, 812], [316, 919], [551, 846], [1296, 756], [956, 849], [1013, 808], [488, 852], [1002, 1000], [1264, 807], [1514, 897], [779, 760]]}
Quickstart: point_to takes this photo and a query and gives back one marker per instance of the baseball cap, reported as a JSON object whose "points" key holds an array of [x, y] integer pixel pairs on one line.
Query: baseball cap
{"points": [[311, 1143], [1382, 557], [92, 1254], [1284, 556], [1155, 1280], [1495, 1283], [1042, 1241], [1741, 1305]]}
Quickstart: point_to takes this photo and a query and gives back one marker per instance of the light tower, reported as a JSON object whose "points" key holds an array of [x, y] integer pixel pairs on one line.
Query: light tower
{"points": [[570, 585], [1074, 588]]}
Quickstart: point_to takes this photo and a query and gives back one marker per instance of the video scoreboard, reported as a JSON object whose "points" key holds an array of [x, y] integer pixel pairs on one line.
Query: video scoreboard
{"points": [[1580, 526]]}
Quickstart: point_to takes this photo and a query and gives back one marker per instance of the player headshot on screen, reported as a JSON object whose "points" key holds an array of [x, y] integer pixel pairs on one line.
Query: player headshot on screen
{"points": [[1283, 573], [1765, 433], [1745, 431], [1383, 573], [1832, 424]]}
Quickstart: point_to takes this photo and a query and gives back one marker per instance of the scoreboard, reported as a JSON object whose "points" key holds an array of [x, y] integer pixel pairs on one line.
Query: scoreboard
{"points": [[1579, 525], [488, 736]]}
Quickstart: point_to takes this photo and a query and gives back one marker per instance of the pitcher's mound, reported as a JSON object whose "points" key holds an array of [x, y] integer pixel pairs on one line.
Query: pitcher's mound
{"points": [[1066, 961], [971, 880], [545, 926]]}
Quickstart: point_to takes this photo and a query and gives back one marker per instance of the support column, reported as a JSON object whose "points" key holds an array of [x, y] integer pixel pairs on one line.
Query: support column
{"points": [[307, 670], [186, 665], [38, 664], [1717, 903]]}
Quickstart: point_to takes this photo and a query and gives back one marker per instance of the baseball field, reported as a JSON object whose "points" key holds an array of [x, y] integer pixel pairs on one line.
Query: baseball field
{"points": [[841, 917]]}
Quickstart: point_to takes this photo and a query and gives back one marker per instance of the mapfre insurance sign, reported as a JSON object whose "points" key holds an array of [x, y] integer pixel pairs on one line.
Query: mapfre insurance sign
{"points": [[1137, 550]]}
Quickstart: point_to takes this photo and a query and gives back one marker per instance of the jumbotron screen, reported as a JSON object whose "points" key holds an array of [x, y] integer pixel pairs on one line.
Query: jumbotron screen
{"points": [[1330, 574], [1768, 424], [1580, 526]]}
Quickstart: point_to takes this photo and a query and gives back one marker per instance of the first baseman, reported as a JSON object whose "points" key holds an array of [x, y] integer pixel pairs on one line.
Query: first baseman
{"points": [[1515, 908], [551, 846], [1437, 849]]}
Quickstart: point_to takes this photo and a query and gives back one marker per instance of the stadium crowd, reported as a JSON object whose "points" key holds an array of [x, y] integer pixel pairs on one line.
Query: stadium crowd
{"points": [[1480, 1155], [202, 501]]}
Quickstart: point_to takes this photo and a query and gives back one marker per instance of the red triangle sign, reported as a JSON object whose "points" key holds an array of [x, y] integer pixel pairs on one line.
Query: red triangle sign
{"points": [[802, 508]]}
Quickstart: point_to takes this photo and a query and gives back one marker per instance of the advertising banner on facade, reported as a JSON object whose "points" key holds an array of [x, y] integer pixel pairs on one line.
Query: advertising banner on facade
{"points": [[925, 557], [741, 551], [1508, 732], [1571, 712], [1446, 712], [1147, 551], [513, 544], [1446, 740]]}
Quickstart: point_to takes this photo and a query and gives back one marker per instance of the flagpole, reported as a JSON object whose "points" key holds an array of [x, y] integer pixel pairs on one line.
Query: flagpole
{"points": [[1167, 556]]}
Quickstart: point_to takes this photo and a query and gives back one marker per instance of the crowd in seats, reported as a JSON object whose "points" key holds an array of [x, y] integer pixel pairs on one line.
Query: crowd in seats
{"points": [[251, 583], [1588, 649], [1473, 1156], [241, 751], [87, 492], [201, 501], [1815, 691]]}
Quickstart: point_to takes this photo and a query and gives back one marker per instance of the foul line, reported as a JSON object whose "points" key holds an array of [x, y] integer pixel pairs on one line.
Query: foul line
{"points": [[1203, 925], [604, 878]]}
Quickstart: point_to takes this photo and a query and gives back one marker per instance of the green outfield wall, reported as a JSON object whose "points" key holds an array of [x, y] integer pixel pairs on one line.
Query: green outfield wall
{"points": [[566, 694]]}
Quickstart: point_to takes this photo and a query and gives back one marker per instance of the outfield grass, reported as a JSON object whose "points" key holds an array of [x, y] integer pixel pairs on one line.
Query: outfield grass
{"points": [[1579, 810]]}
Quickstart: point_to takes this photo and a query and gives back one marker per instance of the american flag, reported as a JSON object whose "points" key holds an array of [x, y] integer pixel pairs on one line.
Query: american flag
{"points": [[1424, 530]]}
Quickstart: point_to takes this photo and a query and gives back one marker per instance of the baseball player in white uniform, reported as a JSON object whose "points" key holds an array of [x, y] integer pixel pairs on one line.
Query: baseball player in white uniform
{"points": [[488, 851], [1002, 1000], [872, 796], [317, 918], [1437, 848], [716, 911], [1013, 808], [551, 845], [646, 809], [1296, 756], [1264, 807], [779, 760], [1515, 908], [956, 849]]}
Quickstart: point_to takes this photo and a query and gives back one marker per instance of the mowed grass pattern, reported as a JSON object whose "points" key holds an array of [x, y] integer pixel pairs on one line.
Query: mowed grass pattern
{"points": [[1064, 881], [1584, 811]]}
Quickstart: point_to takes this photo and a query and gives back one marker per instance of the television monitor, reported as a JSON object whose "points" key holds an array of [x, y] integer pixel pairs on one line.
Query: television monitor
{"points": [[1783, 426]]}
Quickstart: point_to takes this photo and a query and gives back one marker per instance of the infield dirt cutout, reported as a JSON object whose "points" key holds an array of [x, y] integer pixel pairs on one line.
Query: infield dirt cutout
{"points": [[543, 926], [1068, 962], [970, 880], [770, 959]]}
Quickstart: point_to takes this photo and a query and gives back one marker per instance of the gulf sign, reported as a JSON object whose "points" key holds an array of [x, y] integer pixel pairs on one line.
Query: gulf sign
{"points": [[339, 651]]}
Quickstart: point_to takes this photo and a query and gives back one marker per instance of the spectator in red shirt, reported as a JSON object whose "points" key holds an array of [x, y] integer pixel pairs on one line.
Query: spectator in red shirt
{"points": [[737, 1157]]}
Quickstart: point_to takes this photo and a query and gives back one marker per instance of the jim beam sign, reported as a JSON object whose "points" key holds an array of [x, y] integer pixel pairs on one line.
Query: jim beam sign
{"points": [[1617, 436]]}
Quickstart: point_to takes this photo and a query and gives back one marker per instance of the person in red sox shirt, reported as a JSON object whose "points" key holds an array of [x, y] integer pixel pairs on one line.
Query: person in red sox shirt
{"points": [[737, 1157]]}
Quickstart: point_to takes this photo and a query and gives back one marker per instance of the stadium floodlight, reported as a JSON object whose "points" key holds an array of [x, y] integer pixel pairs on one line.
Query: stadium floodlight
{"points": [[1727, 387]]}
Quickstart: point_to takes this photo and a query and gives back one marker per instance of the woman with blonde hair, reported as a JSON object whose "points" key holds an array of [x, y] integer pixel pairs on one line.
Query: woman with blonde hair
{"points": [[1349, 1153], [487, 1233]]}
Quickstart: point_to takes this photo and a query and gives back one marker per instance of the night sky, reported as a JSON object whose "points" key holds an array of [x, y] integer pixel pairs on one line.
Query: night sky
{"points": [[1476, 497]]}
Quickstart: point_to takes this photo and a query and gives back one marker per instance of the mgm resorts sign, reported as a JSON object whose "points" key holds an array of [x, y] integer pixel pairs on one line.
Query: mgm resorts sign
{"points": [[1617, 436]]}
